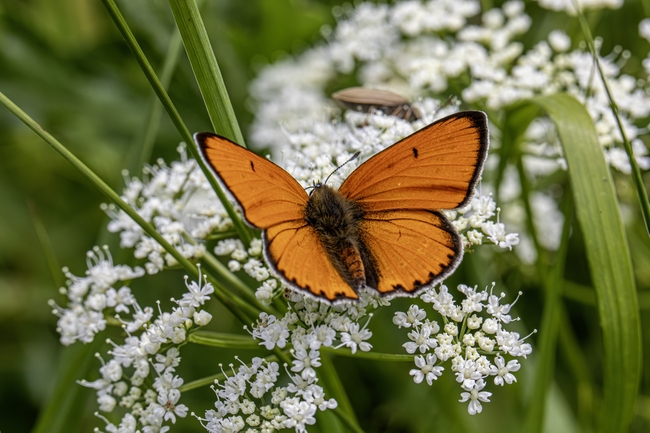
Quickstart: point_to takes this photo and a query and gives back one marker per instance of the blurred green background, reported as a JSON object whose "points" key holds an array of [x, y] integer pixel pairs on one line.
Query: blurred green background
{"points": [[66, 65]]}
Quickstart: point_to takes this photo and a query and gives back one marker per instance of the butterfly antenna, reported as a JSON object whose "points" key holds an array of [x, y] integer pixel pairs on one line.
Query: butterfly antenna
{"points": [[355, 156], [311, 186]]}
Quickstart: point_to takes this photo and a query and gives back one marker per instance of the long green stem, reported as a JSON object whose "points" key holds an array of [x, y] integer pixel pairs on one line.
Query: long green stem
{"points": [[227, 341], [368, 355], [133, 45], [644, 201], [206, 69], [550, 325], [145, 141], [121, 204]]}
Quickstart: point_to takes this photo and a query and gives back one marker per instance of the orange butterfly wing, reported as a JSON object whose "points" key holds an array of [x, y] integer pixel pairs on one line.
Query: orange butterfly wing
{"points": [[400, 188], [410, 248], [272, 200], [267, 194], [435, 168], [298, 257]]}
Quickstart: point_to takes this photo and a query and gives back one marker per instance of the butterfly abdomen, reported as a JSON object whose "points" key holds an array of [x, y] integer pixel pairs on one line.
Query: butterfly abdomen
{"points": [[336, 220]]}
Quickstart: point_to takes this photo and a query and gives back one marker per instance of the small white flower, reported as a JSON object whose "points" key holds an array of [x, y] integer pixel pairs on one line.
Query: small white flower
{"points": [[169, 408], [197, 294], [413, 316], [426, 369], [305, 361], [502, 371], [355, 338], [421, 340], [202, 318], [299, 413], [475, 397], [497, 234], [315, 395]]}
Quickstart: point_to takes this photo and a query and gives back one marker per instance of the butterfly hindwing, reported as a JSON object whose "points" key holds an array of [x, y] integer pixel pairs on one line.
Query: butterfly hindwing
{"points": [[437, 167], [267, 194], [410, 248], [298, 257]]}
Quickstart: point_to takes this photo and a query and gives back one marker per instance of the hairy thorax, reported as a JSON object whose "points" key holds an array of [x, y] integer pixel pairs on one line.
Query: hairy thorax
{"points": [[335, 220]]}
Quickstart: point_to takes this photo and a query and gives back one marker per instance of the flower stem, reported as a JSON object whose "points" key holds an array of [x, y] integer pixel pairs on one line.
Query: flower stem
{"points": [[206, 69], [644, 202], [226, 341], [221, 294], [124, 29], [368, 355]]}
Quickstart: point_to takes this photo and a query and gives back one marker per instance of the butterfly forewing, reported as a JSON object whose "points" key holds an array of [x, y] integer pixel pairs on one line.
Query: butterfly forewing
{"points": [[434, 168], [272, 200], [268, 195], [410, 248]]}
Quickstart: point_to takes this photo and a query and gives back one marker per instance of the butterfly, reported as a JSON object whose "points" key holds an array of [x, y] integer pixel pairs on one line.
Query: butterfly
{"points": [[382, 229]]}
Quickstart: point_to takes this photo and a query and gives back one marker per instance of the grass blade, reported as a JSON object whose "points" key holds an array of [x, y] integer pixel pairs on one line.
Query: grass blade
{"points": [[206, 70], [608, 255], [644, 202], [61, 414], [157, 86], [239, 308]]}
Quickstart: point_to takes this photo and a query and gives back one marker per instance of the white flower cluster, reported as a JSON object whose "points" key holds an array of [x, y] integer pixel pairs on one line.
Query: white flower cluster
{"points": [[550, 68], [149, 395], [421, 48], [310, 324], [179, 201], [476, 215], [103, 290], [569, 6], [474, 345], [243, 397]]}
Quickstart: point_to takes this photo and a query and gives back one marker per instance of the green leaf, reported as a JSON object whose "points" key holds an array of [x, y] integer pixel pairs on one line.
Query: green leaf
{"points": [[62, 411], [206, 70], [157, 86], [608, 255]]}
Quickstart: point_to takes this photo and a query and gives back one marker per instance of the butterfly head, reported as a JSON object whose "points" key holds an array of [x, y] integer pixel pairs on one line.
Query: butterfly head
{"points": [[320, 184]]}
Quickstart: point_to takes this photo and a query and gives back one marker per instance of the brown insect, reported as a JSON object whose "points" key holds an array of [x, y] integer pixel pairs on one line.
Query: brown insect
{"points": [[368, 100]]}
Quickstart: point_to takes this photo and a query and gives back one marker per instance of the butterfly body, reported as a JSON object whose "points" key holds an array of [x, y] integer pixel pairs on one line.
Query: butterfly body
{"points": [[381, 229], [336, 220]]}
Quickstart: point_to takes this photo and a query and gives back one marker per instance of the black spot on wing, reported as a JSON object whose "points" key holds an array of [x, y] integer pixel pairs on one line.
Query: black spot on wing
{"points": [[415, 152], [252, 166]]}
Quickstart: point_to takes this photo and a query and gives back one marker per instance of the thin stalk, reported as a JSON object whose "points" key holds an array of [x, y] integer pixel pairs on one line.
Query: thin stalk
{"points": [[368, 355], [46, 245], [226, 341], [121, 204], [206, 69], [550, 325], [348, 421], [644, 202], [334, 386], [133, 45], [146, 142]]}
